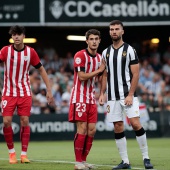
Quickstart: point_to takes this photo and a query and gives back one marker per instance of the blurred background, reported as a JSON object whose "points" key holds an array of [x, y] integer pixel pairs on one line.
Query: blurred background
{"points": [[50, 23]]}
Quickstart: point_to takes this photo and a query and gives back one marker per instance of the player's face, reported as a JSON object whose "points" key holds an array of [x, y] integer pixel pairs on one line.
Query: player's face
{"points": [[93, 42], [18, 39], [116, 32]]}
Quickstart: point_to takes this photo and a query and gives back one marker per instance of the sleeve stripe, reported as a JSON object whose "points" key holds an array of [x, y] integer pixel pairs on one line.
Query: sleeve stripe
{"points": [[134, 62], [80, 69], [38, 65]]}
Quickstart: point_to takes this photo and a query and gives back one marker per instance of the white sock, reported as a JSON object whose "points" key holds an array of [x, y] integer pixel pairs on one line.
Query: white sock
{"points": [[143, 145], [11, 150], [23, 153], [122, 148]]}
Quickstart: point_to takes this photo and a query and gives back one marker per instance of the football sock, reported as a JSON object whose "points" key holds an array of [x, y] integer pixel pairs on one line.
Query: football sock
{"points": [[25, 137], [23, 153], [141, 139], [11, 150], [122, 146], [8, 135], [78, 146], [87, 147]]}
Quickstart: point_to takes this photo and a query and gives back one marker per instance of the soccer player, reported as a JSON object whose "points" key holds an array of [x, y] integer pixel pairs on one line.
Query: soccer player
{"points": [[121, 78], [88, 66], [16, 93]]}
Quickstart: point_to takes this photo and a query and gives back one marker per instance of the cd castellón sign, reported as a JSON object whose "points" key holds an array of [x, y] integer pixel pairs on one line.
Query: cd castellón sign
{"points": [[102, 9], [84, 12], [101, 12]]}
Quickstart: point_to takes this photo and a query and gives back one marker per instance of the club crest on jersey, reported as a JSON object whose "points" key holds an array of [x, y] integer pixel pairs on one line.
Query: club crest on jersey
{"points": [[78, 60], [107, 55], [124, 53], [25, 58], [80, 114]]}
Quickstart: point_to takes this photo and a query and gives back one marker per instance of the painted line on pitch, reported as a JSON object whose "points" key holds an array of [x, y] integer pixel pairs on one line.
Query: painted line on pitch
{"points": [[69, 162], [97, 165]]}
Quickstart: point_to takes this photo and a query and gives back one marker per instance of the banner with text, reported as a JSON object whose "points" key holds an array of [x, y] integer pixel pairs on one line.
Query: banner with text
{"points": [[19, 11], [98, 12], [57, 127], [84, 12]]}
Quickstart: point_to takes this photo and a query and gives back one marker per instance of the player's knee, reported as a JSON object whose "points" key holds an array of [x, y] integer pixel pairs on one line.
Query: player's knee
{"points": [[136, 126], [118, 126], [92, 131], [82, 130], [24, 121], [7, 123]]}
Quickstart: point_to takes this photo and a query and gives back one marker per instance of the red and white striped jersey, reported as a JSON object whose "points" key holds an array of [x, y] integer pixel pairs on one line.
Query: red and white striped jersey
{"points": [[84, 91], [16, 70]]}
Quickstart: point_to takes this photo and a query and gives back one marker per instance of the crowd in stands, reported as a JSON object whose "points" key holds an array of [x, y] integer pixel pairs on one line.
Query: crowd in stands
{"points": [[153, 88]]}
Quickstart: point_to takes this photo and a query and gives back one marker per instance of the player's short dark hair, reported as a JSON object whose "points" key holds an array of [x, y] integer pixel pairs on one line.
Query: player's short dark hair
{"points": [[116, 22], [92, 31], [17, 30]]}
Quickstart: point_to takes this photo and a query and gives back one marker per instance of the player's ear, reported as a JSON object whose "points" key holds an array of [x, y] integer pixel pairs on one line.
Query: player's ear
{"points": [[86, 42], [122, 32]]}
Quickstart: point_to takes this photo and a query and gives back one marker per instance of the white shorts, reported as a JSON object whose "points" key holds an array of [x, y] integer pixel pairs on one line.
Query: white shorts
{"points": [[116, 110]]}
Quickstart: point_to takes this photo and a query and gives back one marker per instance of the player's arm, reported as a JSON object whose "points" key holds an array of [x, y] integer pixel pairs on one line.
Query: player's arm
{"points": [[135, 78], [85, 76], [134, 67], [103, 88], [45, 78], [35, 61]]}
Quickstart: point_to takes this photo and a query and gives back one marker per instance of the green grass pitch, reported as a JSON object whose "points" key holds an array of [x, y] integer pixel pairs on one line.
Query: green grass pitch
{"points": [[59, 155]]}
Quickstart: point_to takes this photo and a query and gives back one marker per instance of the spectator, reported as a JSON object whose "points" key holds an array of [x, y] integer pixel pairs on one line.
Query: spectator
{"points": [[156, 88], [166, 68]]}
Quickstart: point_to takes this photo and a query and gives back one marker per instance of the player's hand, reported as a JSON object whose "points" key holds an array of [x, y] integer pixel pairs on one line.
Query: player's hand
{"points": [[128, 100], [50, 99], [101, 100]]}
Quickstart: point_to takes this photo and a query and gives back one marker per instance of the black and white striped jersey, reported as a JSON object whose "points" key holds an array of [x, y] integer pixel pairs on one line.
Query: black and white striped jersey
{"points": [[119, 75]]}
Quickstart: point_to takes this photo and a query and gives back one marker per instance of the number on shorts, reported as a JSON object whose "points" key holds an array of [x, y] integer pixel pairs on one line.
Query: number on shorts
{"points": [[108, 109], [4, 103], [80, 107]]}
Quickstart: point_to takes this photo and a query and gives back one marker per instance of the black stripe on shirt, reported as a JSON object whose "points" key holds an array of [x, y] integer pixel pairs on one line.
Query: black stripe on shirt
{"points": [[125, 86], [117, 95], [108, 75]]}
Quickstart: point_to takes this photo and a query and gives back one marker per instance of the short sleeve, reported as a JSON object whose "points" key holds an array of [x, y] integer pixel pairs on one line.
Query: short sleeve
{"points": [[35, 60], [79, 61], [104, 55], [3, 54], [133, 56]]}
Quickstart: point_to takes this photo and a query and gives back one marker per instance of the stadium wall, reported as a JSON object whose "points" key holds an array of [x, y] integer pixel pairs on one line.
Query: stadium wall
{"points": [[57, 127]]}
